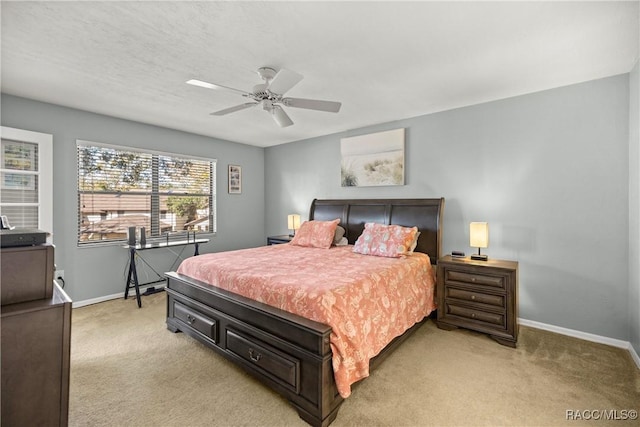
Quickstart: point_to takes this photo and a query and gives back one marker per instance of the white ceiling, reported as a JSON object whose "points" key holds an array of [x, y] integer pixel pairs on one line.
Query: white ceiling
{"points": [[384, 61]]}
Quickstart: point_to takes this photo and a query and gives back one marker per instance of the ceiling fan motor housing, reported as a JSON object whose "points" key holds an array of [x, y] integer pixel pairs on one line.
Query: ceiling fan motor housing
{"points": [[260, 91]]}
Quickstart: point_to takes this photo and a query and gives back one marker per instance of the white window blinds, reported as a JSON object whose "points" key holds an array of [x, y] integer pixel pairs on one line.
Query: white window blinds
{"points": [[120, 187]]}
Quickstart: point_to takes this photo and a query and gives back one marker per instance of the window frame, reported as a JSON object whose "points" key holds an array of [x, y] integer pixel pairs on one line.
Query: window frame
{"points": [[154, 193], [44, 141]]}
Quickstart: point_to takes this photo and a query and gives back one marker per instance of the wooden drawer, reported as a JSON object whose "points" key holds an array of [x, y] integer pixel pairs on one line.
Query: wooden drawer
{"points": [[277, 365], [496, 319], [196, 320], [474, 278], [474, 296], [26, 274]]}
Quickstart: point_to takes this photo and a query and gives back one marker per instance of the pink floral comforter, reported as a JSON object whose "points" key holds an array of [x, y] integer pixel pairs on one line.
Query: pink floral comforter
{"points": [[367, 300]]}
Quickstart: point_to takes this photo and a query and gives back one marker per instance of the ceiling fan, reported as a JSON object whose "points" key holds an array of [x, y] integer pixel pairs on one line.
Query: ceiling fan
{"points": [[270, 95]]}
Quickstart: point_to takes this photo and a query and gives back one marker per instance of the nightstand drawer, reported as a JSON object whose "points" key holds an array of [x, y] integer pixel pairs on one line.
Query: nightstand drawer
{"points": [[470, 313], [475, 279], [496, 300]]}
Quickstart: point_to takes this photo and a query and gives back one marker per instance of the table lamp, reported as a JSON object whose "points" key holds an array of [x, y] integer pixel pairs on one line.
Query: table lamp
{"points": [[479, 238], [293, 223]]}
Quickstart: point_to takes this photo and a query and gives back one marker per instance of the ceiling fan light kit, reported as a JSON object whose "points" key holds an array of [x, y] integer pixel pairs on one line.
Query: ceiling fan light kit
{"points": [[270, 95], [281, 117]]}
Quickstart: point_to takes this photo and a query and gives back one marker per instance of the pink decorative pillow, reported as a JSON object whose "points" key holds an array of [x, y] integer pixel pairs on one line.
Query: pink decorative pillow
{"points": [[316, 234], [385, 240]]}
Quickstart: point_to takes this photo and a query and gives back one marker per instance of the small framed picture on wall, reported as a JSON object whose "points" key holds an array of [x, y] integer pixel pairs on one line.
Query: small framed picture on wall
{"points": [[235, 179]]}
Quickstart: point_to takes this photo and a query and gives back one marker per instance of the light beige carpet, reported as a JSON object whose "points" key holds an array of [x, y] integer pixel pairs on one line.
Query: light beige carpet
{"points": [[127, 369]]}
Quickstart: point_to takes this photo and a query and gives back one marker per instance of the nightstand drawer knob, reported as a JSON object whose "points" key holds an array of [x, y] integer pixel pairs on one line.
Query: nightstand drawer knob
{"points": [[473, 279], [473, 315], [473, 297]]}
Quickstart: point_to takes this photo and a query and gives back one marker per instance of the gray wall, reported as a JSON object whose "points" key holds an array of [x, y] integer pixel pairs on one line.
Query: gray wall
{"points": [[96, 272], [634, 207], [548, 171]]}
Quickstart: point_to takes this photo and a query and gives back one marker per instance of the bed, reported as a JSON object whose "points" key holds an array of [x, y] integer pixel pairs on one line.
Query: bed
{"points": [[290, 353]]}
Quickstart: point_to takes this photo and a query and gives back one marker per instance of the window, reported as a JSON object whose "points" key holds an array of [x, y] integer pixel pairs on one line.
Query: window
{"points": [[120, 187], [26, 178]]}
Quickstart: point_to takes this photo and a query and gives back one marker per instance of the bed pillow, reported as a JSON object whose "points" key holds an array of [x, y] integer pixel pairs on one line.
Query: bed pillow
{"points": [[316, 234], [385, 240], [343, 242], [339, 234]]}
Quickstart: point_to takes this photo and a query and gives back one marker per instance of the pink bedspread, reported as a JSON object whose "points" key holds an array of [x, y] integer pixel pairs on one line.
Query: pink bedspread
{"points": [[367, 300]]}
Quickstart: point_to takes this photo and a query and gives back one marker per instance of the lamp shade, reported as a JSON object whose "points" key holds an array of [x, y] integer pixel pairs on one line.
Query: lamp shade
{"points": [[479, 234], [293, 221]]}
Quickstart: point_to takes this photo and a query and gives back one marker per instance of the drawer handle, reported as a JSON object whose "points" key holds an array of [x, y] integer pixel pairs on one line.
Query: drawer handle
{"points": [[473, 297], [190, 319], [473, 315], [254, 355], [473, 279]]}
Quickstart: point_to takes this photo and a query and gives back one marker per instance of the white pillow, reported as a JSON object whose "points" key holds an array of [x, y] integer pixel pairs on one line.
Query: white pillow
{"points": [[343, 242], [338, 236], [414, 244]]}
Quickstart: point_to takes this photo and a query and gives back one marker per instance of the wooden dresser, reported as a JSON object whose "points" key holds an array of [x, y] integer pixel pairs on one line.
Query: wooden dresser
{"points": [[479, 295], [35, 339]]}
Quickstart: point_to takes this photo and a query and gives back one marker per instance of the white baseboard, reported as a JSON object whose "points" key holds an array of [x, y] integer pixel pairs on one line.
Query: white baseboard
{"points": [[634, 355], [584, 336], [132, 294]]}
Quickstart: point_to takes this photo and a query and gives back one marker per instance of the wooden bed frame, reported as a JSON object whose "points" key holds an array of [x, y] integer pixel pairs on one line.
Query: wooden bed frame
{"points": [[289, 353]]}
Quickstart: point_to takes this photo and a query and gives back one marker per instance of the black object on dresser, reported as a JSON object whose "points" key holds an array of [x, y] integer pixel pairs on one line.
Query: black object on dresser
{"points": [[22, 237], [479, 295], [35, 336], [277, 240]]}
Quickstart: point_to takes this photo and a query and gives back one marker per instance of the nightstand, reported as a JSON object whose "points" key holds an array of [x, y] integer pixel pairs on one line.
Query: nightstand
{"points": [[277, 240], [479, 295]]}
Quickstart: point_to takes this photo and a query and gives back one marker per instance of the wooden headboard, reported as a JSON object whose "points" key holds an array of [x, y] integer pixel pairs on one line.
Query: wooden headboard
{"points": [[426, 214]]}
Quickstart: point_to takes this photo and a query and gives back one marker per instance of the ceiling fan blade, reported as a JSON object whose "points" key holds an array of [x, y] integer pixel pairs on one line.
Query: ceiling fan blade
{"points": [[281, 118], [207, 85], [234, 109], [313, 104], [283, 81]]}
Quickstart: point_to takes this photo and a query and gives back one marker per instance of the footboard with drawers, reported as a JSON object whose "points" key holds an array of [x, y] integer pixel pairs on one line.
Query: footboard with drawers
{"points": [[289, 353]]}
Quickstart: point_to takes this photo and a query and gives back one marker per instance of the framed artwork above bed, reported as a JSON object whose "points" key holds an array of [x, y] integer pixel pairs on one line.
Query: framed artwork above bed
{"points": [[375, 159]]}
